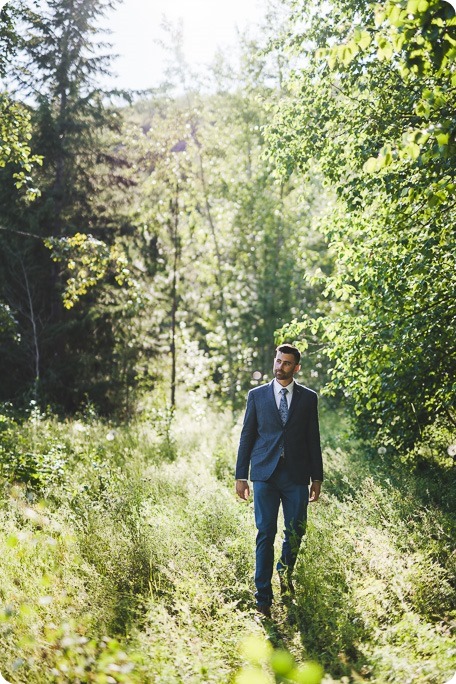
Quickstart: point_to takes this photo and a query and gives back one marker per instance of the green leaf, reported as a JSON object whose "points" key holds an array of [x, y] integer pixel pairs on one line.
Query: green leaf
{"points": [[349, 52], [370, 166], [282, 662], [365, 40], [385, 50], [412, 150], [380, 16], [423, 109], [388, 158], [442, 139], [395, 17], [398, 41]]}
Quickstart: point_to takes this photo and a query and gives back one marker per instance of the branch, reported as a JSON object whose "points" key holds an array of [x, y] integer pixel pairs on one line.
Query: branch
{"points": [[21, 232]]}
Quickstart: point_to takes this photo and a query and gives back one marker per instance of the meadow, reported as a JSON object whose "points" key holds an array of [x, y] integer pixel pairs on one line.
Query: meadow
{"points": [[126, 557]]}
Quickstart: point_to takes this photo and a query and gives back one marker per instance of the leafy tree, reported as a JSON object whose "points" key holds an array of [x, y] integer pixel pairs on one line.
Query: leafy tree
{"points": [[261, 228], [233, 242], [374, 110]]}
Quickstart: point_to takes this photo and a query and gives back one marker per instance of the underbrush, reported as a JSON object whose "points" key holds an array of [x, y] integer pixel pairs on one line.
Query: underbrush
{"points": [[373, 590], [124, 562], [127, 558]]}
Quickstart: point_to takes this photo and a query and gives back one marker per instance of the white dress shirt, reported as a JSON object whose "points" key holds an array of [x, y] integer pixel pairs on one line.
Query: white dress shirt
{"points": [[289, 395]]}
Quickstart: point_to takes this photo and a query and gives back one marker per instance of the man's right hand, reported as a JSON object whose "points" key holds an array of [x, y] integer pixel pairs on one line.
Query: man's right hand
{"points": [[242, 489]]}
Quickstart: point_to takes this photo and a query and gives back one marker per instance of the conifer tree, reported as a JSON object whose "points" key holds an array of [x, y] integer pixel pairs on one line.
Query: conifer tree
{"points": [[63, 356]]}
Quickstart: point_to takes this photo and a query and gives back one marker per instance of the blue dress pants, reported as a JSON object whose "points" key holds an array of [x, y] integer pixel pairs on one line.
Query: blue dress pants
{"points": [[267, 497]]}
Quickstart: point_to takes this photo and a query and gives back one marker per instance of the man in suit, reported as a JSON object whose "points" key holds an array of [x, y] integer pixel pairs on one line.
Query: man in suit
{"points": [[280, 445]]}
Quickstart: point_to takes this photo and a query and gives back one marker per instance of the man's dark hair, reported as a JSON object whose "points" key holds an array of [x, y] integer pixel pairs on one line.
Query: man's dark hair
{"points": [[290, 349]]}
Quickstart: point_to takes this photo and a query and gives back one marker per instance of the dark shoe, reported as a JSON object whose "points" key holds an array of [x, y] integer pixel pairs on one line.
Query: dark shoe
{"points": [[286, 585], [264, 609]]}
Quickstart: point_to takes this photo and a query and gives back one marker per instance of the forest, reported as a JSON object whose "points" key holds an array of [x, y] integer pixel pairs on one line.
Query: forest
{"points": [[155, 248]]}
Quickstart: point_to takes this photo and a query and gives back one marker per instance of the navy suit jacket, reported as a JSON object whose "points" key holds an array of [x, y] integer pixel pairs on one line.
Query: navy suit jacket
{"points": [[263, 434]]}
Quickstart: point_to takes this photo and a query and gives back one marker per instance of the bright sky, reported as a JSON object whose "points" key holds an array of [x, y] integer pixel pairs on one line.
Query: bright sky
{"points": [[136, 25]]}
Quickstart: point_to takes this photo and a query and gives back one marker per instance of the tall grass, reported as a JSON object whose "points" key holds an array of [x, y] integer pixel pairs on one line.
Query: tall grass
{"points": [[127, 558]]}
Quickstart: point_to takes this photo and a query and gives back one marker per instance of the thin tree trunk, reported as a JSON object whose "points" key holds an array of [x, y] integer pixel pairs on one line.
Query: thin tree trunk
{"points": [[218, 274], [174, 302], [36, 347]]}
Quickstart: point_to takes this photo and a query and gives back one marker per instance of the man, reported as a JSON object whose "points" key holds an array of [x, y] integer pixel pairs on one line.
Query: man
{"points": [[280, 444]]}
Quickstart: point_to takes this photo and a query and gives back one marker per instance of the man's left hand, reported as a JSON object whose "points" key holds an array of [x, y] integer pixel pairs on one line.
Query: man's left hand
{"points": [[315, 489]]}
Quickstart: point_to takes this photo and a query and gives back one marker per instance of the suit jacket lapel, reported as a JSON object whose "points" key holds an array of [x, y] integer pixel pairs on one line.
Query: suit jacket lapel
{"points": [[295, 399], [271, 398]]}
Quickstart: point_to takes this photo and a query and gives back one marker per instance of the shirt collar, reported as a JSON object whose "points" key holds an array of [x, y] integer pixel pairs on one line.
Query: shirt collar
{"points": [[278, 387]]}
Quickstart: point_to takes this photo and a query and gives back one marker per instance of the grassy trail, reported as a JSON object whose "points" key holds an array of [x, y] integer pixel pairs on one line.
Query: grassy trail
{"points": [[134, 561]]}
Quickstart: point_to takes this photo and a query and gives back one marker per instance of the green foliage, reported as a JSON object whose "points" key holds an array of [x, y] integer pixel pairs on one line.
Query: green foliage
{"points": [[139, 568], [15, 125], [203, 257], [89, 260], [15, 134], [22, 459], [232, 243], [368, 564], [8, 326], [374, 111], [262, 657], [81, 659], [116, 524], [73, 306], [162, 420], [9, 37]]}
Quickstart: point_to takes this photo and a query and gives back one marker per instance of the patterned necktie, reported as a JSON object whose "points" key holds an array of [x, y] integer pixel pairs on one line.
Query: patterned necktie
{"points": [[283, 406]]}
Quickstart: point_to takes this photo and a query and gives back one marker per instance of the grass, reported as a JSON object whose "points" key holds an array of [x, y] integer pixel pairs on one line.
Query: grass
{"points": [[127, 558]]}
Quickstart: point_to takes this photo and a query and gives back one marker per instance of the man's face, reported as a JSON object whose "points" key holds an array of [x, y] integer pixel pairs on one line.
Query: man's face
{"points": [[285, 367]]}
